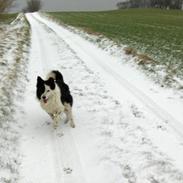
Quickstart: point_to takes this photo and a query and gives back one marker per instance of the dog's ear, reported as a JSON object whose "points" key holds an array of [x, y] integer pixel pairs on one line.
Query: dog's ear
{"points": [[51, 83], [39, 80]]}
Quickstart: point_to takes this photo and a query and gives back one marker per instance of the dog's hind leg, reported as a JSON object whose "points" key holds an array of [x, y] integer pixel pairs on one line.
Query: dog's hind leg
{"points": [[68, 111]]}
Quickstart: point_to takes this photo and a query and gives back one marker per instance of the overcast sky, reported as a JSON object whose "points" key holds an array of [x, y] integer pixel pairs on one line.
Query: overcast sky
{"points": [[72, 5]]}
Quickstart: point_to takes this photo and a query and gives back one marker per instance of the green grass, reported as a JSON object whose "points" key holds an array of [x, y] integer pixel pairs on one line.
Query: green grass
{"points": [[7, 18], [158, 33]]}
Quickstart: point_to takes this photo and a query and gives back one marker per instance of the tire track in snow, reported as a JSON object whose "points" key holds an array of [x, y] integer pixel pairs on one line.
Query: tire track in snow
{"points": [[68, 167], [38, 149], [44, 60]]}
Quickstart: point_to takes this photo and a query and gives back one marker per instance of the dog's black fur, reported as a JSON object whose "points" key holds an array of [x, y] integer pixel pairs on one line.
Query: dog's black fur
{"points": [[66, 96]]}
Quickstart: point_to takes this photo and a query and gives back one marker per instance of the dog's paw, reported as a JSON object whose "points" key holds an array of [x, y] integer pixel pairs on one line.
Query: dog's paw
{"points": [[55, 126], [72, 125]]}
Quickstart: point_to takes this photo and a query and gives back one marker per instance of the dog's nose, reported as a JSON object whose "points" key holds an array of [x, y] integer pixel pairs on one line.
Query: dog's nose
{"points": [[44, 97]]}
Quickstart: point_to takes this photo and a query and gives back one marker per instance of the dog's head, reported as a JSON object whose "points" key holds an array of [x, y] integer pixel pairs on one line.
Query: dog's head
{"points": [[45, 89]]}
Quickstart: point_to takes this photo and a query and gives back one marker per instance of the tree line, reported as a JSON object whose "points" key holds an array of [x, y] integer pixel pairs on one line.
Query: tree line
{"points": [[164, 4], [32, 5]]}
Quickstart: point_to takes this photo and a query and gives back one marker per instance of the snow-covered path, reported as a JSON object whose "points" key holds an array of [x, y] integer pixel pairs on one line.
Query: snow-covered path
{"points": [[121, 136]]}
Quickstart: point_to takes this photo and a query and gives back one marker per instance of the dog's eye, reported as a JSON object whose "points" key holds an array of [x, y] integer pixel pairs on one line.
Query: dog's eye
{"points": [[48, 90]]}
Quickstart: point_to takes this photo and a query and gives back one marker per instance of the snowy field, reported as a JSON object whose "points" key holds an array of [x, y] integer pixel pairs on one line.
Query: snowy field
{"points": [[128, 130]]}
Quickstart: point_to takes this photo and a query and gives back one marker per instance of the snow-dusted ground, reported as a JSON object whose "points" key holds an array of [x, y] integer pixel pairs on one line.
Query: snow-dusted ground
{"points": [[127, 129], [14, 42]]}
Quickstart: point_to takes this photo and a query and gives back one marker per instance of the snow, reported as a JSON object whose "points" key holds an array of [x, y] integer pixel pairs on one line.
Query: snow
{"points": [[128, 130], [13, 64]]}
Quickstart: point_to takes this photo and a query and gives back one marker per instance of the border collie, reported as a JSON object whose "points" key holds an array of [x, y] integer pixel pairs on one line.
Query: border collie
{"points": [[55, 98]]}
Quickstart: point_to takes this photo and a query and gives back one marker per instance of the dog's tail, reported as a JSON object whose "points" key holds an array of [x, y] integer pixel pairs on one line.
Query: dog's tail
{"points": [[56, 75]]}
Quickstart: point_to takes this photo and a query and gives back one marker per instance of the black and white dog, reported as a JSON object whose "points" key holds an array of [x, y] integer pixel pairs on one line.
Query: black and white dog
{"points": [[55, 97]]}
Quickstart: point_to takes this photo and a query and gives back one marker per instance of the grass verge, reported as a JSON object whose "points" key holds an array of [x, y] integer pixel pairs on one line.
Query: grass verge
{"points": [[7, 18], [14, 47]]}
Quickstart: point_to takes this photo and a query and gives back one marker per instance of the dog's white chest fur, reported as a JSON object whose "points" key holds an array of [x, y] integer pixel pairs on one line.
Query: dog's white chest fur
{"points": [[54, 104]]}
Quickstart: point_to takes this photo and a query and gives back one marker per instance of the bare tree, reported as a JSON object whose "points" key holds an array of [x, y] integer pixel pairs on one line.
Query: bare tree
{"points": [[33, 5], [5, 5]]}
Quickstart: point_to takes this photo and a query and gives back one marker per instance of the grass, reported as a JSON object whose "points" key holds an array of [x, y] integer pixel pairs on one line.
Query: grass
{"points": [[157, 33], [7, 18]]}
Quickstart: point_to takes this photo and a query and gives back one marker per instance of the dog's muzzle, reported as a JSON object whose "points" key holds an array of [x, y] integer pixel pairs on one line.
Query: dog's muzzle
{"points": [[45, 100]]}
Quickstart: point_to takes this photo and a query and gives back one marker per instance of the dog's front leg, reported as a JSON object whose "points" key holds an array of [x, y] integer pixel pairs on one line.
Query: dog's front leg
{"points": [[56, 119], [55, 125]]}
